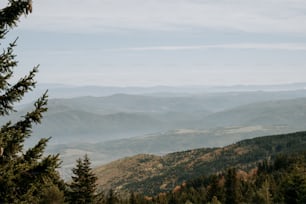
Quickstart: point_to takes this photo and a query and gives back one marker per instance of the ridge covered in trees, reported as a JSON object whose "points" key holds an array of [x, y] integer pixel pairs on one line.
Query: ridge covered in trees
{"points": [[150, 175], [280, 181]]}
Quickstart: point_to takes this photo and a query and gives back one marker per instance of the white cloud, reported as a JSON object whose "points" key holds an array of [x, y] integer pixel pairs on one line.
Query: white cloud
{"points": [[246, 21], [265, 46], [101, 15]]}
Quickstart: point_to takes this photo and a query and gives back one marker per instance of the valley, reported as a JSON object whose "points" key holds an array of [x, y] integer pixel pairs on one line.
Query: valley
{"points": [[109, 127]]}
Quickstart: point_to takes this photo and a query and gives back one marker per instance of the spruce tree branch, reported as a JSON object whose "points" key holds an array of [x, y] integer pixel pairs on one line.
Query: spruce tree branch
{"points": [[36, 152], [34, 116], [7, 57], [16, 92], [10, 15], [16, 134], [7, 63], [47, 164], [23, 175]]}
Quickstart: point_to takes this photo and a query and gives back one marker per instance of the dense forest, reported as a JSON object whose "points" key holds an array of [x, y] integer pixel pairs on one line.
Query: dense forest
{"points": [[282, 180], [150, 174]]}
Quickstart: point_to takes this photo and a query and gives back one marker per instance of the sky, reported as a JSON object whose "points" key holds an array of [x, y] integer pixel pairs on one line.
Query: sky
{"points": [[163, 42]]}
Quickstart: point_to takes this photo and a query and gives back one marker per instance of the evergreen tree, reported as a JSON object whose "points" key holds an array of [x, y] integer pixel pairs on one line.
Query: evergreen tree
{"points": [[215, 200], [294, 187], [214, 190], [133, 199], [264, 195], [24, 174], [232, 188], [111, 197], [83, 186]]}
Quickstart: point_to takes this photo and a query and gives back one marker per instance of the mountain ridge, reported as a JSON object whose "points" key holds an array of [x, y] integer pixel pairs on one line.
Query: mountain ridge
{"points": [[150, 174], [165, 116]]}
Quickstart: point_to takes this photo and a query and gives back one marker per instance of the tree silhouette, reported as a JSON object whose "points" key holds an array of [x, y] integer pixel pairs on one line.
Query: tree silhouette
{"points": [[83, 186], [25, 175]]}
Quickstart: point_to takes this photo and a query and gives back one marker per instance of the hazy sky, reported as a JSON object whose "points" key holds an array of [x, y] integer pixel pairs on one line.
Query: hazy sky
{"points": [[164, 42]]}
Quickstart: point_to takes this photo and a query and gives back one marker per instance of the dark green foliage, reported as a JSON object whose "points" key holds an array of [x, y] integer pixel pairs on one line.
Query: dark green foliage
{"points": [[181, 166], [275, 184], [232, 187], [83, 186], [25, 175], [111, 197], [272, 184], [52, 195], [9, 15], [277, 179], [295, 189], [214, 188]]}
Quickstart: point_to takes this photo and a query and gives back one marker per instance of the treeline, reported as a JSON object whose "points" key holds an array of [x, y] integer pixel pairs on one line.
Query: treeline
{"points": [[278, 180], [282, 180], [186, 165]]}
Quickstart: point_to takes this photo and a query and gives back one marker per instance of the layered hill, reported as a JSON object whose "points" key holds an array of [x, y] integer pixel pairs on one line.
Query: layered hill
{"points": [[158, 144], [106, 137], [123, 134], [120, 125], [124, 116], [150, 174], [290, 113]]}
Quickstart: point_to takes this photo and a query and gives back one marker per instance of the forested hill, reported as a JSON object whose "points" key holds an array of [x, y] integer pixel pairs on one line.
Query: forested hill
{"points": [[151, 174]]}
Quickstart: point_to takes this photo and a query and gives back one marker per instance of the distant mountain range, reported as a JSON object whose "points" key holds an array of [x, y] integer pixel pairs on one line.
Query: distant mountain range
{"points": [[123, 116], [72, 91], [216, 129], [158, 144], [289, 113], [113, 126]]}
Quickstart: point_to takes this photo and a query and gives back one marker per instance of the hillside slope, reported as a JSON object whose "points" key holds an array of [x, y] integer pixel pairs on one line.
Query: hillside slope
{"points": [[290, 113], [151, 174], [146, 118], [123, 116], [74, 125]]}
